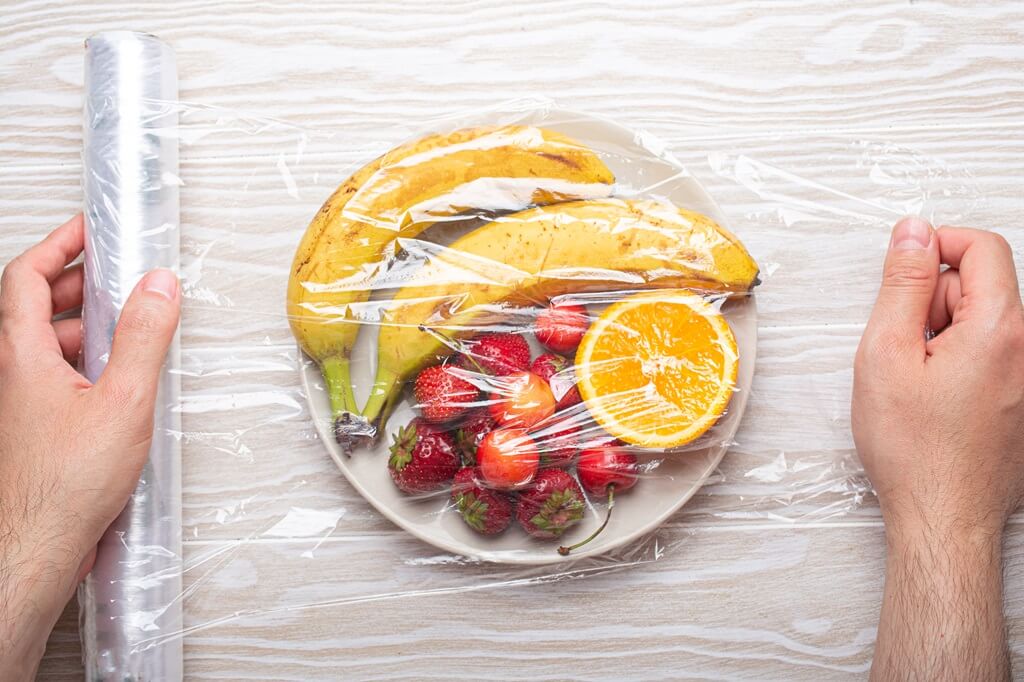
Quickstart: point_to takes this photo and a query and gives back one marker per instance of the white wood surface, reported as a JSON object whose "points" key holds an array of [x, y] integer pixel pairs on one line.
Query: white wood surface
{"points": [[772, 572]]}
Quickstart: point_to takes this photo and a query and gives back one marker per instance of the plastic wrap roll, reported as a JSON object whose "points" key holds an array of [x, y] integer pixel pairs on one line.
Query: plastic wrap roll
{"points": [[131, 600]]}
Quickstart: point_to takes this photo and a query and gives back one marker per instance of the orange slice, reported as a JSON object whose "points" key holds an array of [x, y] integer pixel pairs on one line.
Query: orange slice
{"points": [[658, 369]]}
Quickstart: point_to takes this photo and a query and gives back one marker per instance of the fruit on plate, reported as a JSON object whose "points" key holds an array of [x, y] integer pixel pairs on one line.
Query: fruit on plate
{"points": [[470, 432], [604, 244], [658, 369], [605, 470], [558, 439], [560, 327], [507, 459], [423, 458], [486, 511], [552, 504], [352, 240], [602, 473], [443, 393], [560, 376], [521, 399], [497, 354]]}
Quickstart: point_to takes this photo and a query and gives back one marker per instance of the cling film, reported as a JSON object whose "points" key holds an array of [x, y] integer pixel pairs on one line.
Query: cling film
{"points": [[543, 332], [521, 347]]}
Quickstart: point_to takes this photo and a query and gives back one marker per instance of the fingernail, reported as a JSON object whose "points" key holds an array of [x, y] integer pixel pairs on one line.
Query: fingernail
{"points": [[911, 233], [162, 282]]}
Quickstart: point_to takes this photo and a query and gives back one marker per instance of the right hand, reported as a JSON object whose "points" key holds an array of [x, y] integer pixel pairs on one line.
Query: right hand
{"points": [[939, 423]]}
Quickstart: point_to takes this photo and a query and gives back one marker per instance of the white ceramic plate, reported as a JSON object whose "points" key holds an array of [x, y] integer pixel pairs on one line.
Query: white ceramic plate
{"points": [[657, 496]]}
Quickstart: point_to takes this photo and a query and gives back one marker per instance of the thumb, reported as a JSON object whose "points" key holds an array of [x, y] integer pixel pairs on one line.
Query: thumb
{"points": [[144, 333], [909, 278]]}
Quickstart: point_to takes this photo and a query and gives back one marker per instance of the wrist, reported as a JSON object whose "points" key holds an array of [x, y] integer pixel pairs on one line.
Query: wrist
{"points": [[37, 578], [974, 530], [947, 551]]}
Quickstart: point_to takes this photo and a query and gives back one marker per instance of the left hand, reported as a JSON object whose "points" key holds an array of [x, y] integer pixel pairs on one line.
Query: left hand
{"points": [[70, 452]]}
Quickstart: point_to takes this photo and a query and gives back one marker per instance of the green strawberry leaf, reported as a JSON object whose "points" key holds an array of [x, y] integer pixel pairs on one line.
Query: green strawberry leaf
{"points": [[464, 442], [473, 510], [403, 447], [562, 509]]}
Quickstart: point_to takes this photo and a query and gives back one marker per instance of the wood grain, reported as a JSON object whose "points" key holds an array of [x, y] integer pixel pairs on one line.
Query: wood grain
{"points": [[813, 125]]}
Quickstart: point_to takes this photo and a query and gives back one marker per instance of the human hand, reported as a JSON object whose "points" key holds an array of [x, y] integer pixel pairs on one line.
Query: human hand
{"points": [[939, 423], [70, 453], [939, 427]]}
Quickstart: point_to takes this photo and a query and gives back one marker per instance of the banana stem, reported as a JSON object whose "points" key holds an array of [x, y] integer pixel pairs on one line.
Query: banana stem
{"points": [[564, 551], [382, 400], [339, 385]]}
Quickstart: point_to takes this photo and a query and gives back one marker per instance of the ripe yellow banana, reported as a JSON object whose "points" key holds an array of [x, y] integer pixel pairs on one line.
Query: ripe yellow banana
{"points": [[352, 239], [600, 245]]}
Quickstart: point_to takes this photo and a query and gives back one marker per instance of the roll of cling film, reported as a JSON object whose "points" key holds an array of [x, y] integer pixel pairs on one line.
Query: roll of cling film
{"points": [[131, 601]]}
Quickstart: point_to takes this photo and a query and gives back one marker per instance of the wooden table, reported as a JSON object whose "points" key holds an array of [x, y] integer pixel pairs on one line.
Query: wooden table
{"points": [[814, 124]]}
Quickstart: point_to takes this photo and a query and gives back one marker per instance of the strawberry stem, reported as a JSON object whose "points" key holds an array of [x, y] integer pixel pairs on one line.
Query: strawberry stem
{"points": [[564, 551]]}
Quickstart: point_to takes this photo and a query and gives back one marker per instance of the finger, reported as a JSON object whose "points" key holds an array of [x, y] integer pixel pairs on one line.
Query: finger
{"points": [[25, 286], [143, 334], [66, 290], [69, 336], [60, 247], [984, 259], [944, 302], [909, 278]]}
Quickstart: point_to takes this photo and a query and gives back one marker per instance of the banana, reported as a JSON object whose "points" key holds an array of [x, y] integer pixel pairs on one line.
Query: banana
{"points": [[600, 245], [352, 239]]}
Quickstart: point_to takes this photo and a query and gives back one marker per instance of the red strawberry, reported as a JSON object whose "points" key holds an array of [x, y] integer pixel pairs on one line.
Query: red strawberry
{"points": [[423, 458], [559, 374], [497, 354], [484, 510], [470, 432], [552, 504], [561, 327], [442, 393], [558, 439]]}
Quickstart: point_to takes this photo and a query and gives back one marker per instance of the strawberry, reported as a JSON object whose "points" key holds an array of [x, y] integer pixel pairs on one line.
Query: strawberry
{"points": [[560, 376], [442, 394], [552, 504], [561, 327], [558, 439], [507, 458], [522, 400], [484, 510], [471, 430], [497, 354], [602, 471], [423, 459]]}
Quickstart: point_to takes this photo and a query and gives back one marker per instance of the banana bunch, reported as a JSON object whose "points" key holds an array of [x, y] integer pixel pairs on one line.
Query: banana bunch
{"points": [[353, 240], [598, 245], [574, 239]]}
